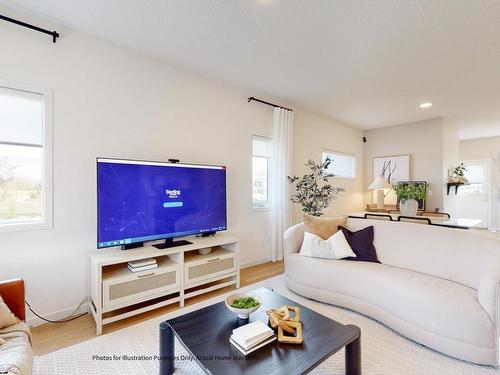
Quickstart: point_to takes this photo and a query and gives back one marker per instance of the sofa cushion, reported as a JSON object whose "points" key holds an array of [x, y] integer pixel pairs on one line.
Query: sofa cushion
{"points": [[436, 305], [6, 316], [462, 256], [361, 242], [324, 227]]}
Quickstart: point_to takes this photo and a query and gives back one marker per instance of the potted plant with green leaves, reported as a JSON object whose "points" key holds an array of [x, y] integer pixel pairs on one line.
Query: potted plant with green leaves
{"points": [[313, 191], [409, 195], [459, 174]]}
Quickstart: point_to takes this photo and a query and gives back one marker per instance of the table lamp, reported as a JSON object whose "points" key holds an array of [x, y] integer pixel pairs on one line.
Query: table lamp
{"points": [[379, 184]]}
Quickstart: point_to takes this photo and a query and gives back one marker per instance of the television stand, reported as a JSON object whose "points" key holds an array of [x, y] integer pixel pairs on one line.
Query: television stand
{"points": [[169, 242], [181, 274]]}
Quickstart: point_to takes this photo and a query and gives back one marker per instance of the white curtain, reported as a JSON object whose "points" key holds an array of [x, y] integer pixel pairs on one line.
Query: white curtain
{"points": [[282, 167]]}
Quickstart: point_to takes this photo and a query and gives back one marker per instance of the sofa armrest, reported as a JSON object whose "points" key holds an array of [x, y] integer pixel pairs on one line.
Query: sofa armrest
{"points": [[12, 292], [293, 238]]}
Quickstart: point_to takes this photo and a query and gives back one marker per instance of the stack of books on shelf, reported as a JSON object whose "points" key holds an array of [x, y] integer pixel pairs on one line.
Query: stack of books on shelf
{"points": [[142, 265], [251, 337]]}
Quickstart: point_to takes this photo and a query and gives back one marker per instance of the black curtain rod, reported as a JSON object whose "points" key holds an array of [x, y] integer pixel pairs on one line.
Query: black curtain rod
{"points": [[267, 103], [54, 34]]}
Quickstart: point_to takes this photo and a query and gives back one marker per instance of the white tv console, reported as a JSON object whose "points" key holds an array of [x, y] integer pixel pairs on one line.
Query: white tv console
{"points": [[182, 273]]}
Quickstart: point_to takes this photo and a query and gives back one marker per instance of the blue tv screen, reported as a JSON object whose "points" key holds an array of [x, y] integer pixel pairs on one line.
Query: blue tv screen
{"points": [[141, 201]]}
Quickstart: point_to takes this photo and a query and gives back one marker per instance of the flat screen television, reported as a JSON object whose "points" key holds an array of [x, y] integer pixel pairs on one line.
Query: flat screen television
{"points": [[140, 201]]}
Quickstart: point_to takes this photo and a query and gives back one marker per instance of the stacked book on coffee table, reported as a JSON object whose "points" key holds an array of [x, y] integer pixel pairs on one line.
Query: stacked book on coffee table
{"points": [[142, 265], [251, 337]]}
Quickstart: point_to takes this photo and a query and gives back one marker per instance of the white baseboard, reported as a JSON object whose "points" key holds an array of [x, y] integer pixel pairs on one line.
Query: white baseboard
{"points": [[254, 263], [34, 321]]}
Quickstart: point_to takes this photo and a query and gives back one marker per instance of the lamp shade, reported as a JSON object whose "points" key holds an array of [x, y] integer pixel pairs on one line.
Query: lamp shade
{"points": [[379, 183]]}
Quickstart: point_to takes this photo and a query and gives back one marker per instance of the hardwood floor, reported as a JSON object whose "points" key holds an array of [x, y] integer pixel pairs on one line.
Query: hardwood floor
{"points": [[50, 337]]}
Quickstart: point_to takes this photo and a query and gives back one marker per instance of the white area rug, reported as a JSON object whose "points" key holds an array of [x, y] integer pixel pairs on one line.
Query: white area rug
{"points": [[384, 351]]}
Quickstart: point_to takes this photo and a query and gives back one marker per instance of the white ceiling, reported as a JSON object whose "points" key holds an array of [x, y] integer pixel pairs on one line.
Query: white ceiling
{"points": [[367, 63]]}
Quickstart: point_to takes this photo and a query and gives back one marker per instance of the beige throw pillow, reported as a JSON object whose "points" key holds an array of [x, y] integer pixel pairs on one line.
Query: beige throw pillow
{"points": [[324, 227], [6, 317]]}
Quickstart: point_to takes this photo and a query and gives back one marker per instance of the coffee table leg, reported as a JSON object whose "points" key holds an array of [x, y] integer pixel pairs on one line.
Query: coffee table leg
{"points": [[167, 349], [353, 355]]}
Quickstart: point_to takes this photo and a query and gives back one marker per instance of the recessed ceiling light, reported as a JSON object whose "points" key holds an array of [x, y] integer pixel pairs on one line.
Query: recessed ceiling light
{"points": [[426, 105]]}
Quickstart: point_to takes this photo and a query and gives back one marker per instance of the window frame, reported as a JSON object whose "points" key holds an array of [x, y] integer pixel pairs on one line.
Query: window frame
{"points": [[267, 207], [340, 153], [47, 221]]}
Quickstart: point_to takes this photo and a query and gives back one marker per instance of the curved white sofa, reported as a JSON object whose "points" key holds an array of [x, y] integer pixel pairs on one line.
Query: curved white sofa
{"points": [[437, 286]]}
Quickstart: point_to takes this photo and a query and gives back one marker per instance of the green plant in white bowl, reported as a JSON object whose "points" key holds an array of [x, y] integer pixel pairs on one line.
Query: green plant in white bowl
{"points": [[409, 195], [243, 304]]}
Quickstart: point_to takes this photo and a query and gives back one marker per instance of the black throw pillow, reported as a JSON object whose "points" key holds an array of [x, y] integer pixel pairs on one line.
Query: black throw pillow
{"points": [[361, 243]]}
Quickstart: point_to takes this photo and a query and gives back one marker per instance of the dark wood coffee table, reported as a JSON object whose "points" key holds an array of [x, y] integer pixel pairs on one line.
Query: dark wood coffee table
{"points": [[205, 335]]}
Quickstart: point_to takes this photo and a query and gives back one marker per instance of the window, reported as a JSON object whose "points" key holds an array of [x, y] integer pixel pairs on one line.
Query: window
{"points": [[476, 177], [261, 166], [342, 165], [25, 159]]}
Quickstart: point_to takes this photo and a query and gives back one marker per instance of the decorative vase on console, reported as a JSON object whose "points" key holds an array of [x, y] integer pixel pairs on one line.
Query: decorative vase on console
{"points": [[409, 195], [459, 174], [408, 207]]}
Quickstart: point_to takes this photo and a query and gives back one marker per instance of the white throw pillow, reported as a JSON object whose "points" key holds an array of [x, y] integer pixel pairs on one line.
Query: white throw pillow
{"points": [[336, 247]]}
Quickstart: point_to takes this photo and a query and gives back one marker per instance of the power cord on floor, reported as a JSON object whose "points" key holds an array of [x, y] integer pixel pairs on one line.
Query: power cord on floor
{"points": [[69, 318]]}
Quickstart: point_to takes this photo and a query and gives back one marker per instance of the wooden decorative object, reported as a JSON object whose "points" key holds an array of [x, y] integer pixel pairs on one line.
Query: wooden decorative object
{"points": [[280, 319], [297, 339], [273, 320], [283, 313], [276, 315], [286, 326], [296, 310]]}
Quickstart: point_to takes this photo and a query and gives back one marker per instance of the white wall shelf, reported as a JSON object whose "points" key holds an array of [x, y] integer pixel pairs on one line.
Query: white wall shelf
{"points": [[116, 293]]}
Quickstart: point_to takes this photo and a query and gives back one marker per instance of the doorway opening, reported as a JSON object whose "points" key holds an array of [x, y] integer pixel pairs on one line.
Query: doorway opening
{"points": [[473, 198]]}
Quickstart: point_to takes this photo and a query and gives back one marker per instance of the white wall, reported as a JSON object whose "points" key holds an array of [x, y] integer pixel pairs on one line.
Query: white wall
{"points": [[312, 134], [486, 148], [451, 157], [112, 102], [423, 140]]}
